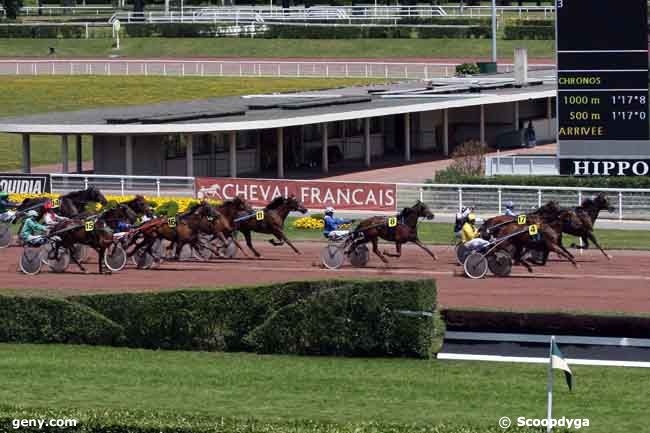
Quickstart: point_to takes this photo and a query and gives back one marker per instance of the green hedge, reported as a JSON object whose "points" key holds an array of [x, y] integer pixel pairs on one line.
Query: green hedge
{"points": [[321, 317], [134, 421], [529, 32], [450, 176], [374, 32], [46, 320], [357, 319], [43, 32]]}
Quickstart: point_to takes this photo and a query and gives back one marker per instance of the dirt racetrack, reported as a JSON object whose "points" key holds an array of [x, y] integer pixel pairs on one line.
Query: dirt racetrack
{"points": [[620, 285]]}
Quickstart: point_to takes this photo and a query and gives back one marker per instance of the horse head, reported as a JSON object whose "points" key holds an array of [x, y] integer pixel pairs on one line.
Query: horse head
{"points": [[295, 205], [94, 194], [423, 210], [239, 204], [139, 205], [601, 202]]}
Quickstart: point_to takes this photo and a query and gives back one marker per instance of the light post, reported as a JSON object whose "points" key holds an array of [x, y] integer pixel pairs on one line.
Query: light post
{"points": [[494, 31]]}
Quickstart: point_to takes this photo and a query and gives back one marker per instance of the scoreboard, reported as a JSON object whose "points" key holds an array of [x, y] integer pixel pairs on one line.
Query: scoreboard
{"points": [[602, 102]]}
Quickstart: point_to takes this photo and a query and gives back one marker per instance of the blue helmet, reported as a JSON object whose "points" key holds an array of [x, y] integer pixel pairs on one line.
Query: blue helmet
{"points": [[509, 205]]}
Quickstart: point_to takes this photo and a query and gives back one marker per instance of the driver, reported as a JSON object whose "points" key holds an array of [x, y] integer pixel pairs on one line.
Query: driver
{"points": [[50, 218], [31, 230], [510, 209], [330, 230], [470, 235]]}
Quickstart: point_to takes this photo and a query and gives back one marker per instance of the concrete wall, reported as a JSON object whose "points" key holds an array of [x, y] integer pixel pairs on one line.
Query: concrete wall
{"points": [[109, 154]]}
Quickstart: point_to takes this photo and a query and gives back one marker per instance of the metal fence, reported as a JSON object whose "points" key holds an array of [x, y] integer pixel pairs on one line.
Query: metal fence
{"points": [[231, 68], [124, 185], [527, 165], [488, 200], [323, 13]]}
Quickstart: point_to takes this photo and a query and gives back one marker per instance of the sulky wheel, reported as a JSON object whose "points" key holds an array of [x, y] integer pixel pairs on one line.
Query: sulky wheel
{"points": [[332, 256], [115, 258], [58, 260], [229, 250], [461, 253], [5, 235], [476, 265], [30, 261], [500, 263], [359, 256], [143, 260]]}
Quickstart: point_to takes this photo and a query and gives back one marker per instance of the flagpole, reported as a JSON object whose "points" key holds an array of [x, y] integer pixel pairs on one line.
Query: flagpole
{"points": [[549, 388]]}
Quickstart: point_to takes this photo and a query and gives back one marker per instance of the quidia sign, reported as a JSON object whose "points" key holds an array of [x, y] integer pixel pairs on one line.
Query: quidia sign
{"points": [[605, 167], [15, 183]]}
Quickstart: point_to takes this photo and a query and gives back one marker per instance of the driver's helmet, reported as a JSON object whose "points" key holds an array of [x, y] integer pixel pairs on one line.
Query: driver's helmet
{"points": [[471, 218], [329, 210], [4, 194], [31, 214], [47, 205], [510, 205]]}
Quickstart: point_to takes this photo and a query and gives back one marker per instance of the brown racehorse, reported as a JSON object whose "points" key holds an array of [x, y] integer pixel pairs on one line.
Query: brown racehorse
{"points": [[185, 228], [215, 223], [73, 232], [547, 237], [405, 230], [269, 220], [588, 212], [583, 227]]}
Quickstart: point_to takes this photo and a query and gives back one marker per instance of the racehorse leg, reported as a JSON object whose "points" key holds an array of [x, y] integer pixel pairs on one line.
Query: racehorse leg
{"points": [[557, 250], [249, 243], [74, 259], [375, 249], [428, 251], [592, 238], [283, 238], [238, 245], [517, 257], [398, 249]]}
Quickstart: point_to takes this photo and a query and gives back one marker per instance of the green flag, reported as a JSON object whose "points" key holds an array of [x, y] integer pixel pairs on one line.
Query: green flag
{"points": [[558, 362]]}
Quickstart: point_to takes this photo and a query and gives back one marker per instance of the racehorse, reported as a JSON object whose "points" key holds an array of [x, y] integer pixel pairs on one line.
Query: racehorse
{"points": [[269, 220], [180, 229], [215, 223], [74, 203], [139, 205], [588, 213], [405, 230], [118, 214], [93, 232]]}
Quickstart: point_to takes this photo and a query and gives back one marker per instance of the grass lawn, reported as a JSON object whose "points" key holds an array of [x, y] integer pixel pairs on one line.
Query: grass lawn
{"points": [[441, 233], [31, 95], [242, 47], [118, 384]]}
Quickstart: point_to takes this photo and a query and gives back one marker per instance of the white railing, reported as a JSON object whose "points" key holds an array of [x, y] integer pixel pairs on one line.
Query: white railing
{"points": [[231, 68], [527, 165], [350, 14], [488, 200], [65, 10], [124, 185], [629, 204]]}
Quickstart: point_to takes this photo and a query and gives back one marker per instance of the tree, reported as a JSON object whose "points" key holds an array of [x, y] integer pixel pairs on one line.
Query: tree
{"points": [[12, 7]]}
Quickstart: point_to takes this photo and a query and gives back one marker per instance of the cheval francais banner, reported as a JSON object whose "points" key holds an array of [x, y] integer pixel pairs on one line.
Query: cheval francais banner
{"points": [[314, 195]]}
